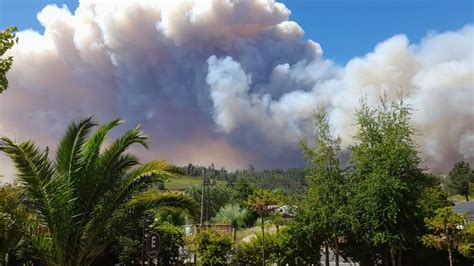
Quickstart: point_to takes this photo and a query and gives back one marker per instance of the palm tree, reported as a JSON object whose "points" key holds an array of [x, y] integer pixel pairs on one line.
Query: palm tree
{"points": [[77, 194]]}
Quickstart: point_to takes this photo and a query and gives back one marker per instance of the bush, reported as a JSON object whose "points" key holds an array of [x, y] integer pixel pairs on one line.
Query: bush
{"points": [[279, 249], [232, 214], [128, 246], [213, 248], [172, 239]]}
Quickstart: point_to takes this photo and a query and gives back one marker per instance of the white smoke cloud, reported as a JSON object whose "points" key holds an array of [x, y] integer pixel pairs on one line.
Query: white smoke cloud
{"points": [[229, 82], [437, 75]]}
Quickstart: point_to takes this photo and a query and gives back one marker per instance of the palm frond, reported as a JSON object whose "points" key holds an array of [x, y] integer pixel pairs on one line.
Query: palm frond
{"points": [[93, 145], [133, 136], [152, 199], [114, 199], [68, 156], [151, 171], [95, 191], [34, 171], [78, 195], [88, 183]]}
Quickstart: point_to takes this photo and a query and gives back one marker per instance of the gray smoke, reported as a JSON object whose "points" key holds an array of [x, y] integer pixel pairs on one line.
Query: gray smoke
{"points": [[229, 82]]}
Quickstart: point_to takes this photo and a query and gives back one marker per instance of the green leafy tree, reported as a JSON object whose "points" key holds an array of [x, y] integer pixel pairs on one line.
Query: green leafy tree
{"points": [[433, 198], [466, 248], [286, 247], [172, 239], [448, 231], [234, 215], [301, 241], [386, 179], [328, 191], [7, 40], [126, 238], [242, 189], [13, 215], [250, 253], [18, 228], [78, 194], [216, 197], [213, 248], [459, 178]]}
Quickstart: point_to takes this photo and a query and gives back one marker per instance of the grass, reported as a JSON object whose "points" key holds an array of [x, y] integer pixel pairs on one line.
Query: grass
{"points": [[185, 182], [253, 231], [458, 198]]}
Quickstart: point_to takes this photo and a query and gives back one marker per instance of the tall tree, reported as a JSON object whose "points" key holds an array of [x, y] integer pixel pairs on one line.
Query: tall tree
{"points": [[387, 180], [7, 40], [79, 192], [460, 177], [448, 231], [328, 190]]}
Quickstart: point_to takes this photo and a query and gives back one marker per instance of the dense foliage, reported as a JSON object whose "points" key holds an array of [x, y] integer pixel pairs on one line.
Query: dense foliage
{"points": [[77, 195], [93, 204], [7, 40], [329, 191], [291, 181], [213, 248], [18, 228], [448, 233], [460, 177]]}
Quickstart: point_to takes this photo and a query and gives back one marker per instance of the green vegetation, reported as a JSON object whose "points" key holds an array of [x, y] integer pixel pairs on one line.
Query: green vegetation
{"points": [[182, 183], [78, 195], [460, 178], [93, 204], [18, 228], [386, 178], [232, 214], [448, 232], [172, 239], [327, 198], [7, 40], [213, 248]]}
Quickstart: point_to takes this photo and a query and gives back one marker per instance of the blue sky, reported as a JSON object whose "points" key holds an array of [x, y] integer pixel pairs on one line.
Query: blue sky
{"points": [[343, 28]]}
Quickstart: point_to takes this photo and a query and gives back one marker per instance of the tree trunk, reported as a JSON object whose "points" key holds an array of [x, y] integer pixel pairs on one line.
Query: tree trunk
{"points": [[263, 241], [450, 256], [467, 196], [392, 256], [385, 259], [235, 233], [400, 258], [336, 251], [326, 251]]}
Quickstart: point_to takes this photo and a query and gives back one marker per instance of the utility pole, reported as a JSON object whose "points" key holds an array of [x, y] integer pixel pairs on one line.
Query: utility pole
{"points": [[208, 187], [202, 197]]}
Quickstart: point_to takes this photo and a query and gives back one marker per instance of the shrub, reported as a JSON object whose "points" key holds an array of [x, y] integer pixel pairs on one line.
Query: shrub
{"points": [[172, 239], [277, 249], [213, 248]]}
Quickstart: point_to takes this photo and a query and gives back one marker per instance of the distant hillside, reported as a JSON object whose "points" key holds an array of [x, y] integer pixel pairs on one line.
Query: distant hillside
{"points": [[291, 181]]}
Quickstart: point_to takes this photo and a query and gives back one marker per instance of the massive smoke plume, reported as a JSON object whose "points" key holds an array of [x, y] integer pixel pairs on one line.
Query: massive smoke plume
{"points": [[229, 82]]}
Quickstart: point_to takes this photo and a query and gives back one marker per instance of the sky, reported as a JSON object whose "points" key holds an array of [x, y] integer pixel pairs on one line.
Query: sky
{"points": [[362, 23], [236, 82]]}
